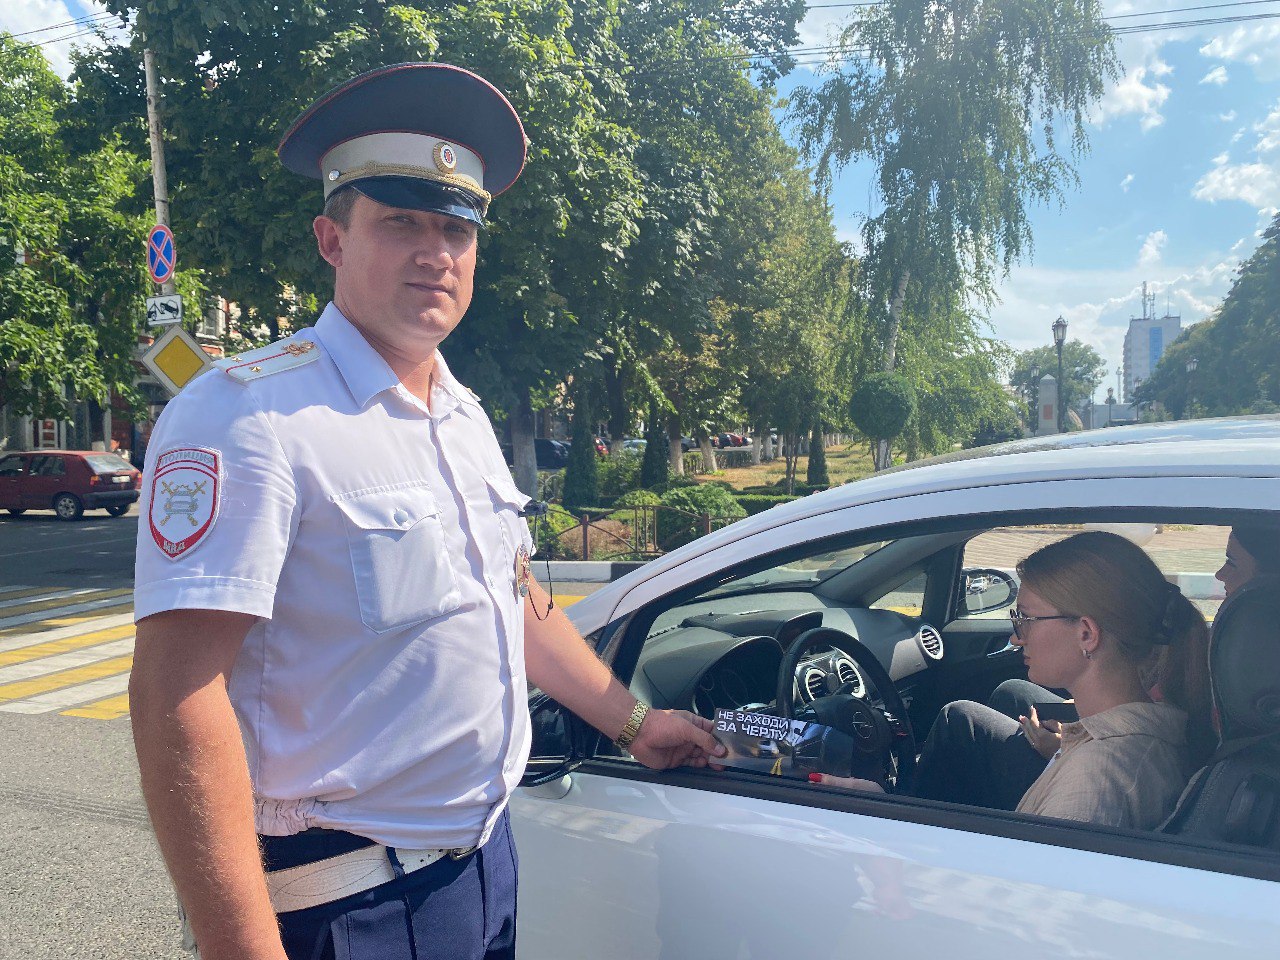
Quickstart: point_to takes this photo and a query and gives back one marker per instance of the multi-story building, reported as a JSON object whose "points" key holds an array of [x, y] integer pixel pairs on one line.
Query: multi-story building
{"points": [[1145, 342]]}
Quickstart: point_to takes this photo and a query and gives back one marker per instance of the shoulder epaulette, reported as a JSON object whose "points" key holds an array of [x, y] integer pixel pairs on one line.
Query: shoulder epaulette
{"points": [[273, 358]]}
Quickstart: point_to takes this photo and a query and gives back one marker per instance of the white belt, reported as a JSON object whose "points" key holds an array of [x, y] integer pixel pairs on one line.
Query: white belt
{"points": [[309, 885]]}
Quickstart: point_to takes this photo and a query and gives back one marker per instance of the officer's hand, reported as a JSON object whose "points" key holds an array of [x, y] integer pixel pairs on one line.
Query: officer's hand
{"points": [[1046, 737], [675, 738]]}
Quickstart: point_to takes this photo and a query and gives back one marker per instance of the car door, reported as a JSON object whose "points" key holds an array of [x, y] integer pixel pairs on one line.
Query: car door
{"points": [[622, 862], [46, 475], [11, 477]]}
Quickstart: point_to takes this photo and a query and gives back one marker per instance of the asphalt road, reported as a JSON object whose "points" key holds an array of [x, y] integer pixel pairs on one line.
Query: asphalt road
{"points": [[80, 876]]}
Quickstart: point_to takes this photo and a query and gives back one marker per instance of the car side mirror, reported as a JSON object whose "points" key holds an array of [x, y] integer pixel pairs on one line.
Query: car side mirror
{"points": [[557, 741], [987, 589]]}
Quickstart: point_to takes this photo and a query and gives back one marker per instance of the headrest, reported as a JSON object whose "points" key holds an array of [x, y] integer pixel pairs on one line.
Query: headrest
{"points": [[1244, 660]]}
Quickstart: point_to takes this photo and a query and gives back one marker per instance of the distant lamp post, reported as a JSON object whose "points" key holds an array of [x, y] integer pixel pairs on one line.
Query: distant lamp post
{"points": [[1191, 369], [1035, 399], [1059, 338], [1111, 403]]}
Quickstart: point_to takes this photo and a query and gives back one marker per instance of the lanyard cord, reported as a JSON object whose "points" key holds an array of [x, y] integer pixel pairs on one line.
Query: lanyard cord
{"points": [[539, 517]]}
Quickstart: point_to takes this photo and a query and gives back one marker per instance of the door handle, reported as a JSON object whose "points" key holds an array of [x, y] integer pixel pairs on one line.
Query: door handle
{"points": [[556, 789]]}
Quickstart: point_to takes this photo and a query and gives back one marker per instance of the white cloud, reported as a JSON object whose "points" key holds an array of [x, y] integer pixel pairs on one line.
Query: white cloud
{"points": [[1227, 117], [1269, 132], [1149, 255], [25, 16], [1133, 95], [1126, 182], [1257, 184], [1221, 158], [1217, 76], [1254, 46]]}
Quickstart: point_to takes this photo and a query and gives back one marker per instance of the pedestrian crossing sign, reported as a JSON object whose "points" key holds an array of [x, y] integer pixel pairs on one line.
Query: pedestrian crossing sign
{"points": [[176, 359]]}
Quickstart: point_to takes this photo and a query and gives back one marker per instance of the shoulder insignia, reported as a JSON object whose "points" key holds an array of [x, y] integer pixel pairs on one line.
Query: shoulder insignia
{"points": [[471, 393], [273, 358]]}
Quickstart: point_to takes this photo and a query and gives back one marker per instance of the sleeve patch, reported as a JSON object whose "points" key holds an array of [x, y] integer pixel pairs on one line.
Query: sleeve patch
{"points": [[186, 489]]}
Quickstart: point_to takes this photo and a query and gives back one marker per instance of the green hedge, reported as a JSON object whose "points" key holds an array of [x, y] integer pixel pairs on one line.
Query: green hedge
{"points": [[678, 528], [757, 503]]}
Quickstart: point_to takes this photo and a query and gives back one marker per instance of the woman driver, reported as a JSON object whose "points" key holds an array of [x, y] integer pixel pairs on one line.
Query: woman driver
{"points": [[1097, 618]]}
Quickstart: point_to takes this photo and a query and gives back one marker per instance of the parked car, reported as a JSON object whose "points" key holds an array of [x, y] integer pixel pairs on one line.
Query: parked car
{"points": [[634, 444], [602, 446], [687, 444], [551, 454], [908, 572], [68, 482]]}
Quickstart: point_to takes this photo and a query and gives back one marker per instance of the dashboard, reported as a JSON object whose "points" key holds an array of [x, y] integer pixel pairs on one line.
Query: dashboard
{"points": [[708, 660]]}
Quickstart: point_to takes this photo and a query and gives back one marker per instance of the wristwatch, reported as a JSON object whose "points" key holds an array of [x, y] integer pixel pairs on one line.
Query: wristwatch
{"points": [[629, 732]]}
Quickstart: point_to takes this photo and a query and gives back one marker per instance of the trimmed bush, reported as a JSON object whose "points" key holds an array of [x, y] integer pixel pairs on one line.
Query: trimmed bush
{"points": [[546, 532], [654, 467], [882, 405], [683, 522], [754, 504], [618, 473], [638, 498], [816, 472]]}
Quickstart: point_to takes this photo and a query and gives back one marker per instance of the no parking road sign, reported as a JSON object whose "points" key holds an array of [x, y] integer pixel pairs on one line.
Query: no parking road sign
{"points": [[162, 256]]}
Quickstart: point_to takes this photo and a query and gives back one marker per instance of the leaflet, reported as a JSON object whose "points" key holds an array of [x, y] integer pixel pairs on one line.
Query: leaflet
{"points": [[763, 743]]}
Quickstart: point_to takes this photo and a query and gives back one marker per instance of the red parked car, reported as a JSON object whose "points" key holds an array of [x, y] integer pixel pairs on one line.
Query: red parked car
{"points": [[68, 482]]}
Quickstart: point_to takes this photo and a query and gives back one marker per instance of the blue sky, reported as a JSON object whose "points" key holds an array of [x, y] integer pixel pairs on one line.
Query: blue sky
{"points": [[1183, 173]]}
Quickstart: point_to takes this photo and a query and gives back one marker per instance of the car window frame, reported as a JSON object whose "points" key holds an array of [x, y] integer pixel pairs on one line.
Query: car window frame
{"points": [[622, 641], [22, 466]]}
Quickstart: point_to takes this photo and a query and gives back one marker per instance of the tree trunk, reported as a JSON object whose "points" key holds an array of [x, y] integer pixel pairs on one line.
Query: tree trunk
{"points": [[523, 452], [757, 441], [674, 450], [766, 438], [883, 453], [615, 387], [708, 451]]}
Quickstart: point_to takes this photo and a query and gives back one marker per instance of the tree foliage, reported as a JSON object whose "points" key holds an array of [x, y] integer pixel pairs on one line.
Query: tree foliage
{"points": [[1083, 370], [882, 405], [1237, 350]]}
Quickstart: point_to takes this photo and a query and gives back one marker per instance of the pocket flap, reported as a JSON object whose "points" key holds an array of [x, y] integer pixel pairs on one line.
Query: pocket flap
{"points": [[506, 491], [388, 508]]}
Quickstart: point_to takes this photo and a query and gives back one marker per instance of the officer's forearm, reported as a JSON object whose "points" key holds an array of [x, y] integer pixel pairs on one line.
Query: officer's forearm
{"points": [[560, 663], [196, 783]]}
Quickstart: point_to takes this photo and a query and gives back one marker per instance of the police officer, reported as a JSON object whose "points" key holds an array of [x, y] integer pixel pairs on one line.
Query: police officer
{"points": [[328, 692]]}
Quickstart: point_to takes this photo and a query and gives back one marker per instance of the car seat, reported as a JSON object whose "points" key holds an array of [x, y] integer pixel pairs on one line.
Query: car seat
{"points": [[1236, 797]]}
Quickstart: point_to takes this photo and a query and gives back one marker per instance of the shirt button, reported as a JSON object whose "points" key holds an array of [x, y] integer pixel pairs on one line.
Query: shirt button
{"points": [[401, 518]]}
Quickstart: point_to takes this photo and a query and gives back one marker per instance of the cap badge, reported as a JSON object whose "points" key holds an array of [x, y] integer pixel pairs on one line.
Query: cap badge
{"points": [[446, 158], [334, 174]]}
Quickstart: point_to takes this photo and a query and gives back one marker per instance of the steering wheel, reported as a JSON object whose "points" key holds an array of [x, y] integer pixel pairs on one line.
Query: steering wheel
{"points": [[879, 730]]}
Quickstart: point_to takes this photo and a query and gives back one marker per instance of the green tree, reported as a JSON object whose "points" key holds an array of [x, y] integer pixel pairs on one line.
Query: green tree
{"points": [[581, 474], [961, 108], [816, 471], [654, 468], [881, 407], [71, 275], [1083, 370], [1237, 350]]}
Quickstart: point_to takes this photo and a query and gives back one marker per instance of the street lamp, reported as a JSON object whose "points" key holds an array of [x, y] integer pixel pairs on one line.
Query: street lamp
{"points": [[1191, 369], [1059, 338], [1111, 403], [1035, 398]]}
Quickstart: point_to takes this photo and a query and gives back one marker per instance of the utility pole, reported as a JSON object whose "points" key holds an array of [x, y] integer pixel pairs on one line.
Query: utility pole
{"points": [[159, 178]]}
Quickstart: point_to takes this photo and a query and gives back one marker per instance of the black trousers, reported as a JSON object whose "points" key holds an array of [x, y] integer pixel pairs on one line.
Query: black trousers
{"points": [[976, 753], [451, 910]]}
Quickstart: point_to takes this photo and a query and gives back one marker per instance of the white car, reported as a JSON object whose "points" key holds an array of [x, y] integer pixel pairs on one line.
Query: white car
{"points": [[621, 862]]}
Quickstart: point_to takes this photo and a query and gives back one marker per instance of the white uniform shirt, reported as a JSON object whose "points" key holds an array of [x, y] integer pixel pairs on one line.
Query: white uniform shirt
{"points": [[383, 691]]}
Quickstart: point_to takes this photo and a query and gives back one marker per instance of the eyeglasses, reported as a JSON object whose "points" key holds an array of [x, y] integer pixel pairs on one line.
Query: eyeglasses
{"points": [[1018, 618]]}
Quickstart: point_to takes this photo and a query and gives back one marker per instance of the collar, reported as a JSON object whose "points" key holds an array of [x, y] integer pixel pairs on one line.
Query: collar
{"points": [[364, 371], [1160, 720]]}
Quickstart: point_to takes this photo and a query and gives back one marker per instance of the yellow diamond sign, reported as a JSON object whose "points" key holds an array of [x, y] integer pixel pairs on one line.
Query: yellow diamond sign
{"points": [[176, 359]]}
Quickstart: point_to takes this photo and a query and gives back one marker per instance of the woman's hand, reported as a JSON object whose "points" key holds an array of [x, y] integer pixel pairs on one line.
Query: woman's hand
{"points": [[845, 783], [1045, 737]]}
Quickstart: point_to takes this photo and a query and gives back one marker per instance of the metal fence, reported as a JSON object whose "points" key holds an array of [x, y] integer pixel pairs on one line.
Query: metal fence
{"points": [[624, 533]]}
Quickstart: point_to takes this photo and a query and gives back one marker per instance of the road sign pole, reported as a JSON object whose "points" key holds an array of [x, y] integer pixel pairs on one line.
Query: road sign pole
{"points": [[159, 177]]}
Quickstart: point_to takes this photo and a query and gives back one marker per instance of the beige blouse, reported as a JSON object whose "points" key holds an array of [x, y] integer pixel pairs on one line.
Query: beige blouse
{"points": [[1124, 767]]}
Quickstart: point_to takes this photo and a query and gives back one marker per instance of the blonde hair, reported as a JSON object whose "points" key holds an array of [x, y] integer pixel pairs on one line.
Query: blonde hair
{"points": [[1153, 626]]}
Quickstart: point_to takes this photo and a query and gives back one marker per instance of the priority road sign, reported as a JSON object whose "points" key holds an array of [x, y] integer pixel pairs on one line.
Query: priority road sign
{"points": [[162, 256], [176, 359], [164, 310]]}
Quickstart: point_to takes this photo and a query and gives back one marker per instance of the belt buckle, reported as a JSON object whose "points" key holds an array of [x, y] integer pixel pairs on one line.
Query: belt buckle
{"points": [[457, 853]]}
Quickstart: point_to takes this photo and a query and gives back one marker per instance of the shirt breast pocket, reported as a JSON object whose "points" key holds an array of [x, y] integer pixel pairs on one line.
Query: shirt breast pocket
{"points": [[398, 556], [509, 503]]}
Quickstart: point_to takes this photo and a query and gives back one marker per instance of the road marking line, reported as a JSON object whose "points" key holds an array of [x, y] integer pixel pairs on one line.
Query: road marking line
{"points": [[20, 591], [95, 543], [24, 637], [59, 616], [108, 709], [48, 594], [26, 689], [567, 601], [85, 596], [50, 648], [44, 666], [69, 697]]}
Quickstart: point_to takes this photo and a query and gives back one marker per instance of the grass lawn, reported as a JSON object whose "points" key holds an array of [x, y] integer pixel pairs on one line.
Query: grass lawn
{"points": [[845, 462]]}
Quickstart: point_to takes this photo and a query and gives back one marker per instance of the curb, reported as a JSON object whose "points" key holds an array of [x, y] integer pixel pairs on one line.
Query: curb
{"points": [[585, 571]]}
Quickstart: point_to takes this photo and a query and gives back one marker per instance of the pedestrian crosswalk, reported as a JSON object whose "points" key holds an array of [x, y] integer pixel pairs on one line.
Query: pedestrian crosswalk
{"points": [[68, 651]]}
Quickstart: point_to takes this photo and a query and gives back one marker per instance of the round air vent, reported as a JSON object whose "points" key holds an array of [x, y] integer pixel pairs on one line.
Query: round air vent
{"points": [[814, 686], [930, 641], [848, 673]]}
